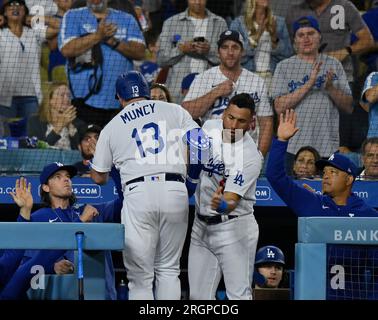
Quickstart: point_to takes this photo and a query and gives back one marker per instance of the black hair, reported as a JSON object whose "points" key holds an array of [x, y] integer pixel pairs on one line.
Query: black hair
{"points": [[46, 200], [243, 100], [309, 149], [2, 12], [372, 140]]}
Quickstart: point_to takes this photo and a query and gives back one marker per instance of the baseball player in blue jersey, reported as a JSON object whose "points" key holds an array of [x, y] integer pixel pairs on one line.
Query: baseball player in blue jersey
{"points": [[339, 174], [147, 141], [225, 232], [57, 194]]}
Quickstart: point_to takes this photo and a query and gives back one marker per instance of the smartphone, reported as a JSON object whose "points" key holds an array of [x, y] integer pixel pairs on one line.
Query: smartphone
{"points": [[199, 39]]}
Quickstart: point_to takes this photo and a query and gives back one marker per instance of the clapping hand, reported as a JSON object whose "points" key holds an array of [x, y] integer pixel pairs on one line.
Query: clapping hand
{"points": [[22, 197]]}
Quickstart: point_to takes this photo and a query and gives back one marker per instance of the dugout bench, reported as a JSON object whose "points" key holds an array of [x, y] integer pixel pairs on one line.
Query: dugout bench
{"points": [[61, 236]]}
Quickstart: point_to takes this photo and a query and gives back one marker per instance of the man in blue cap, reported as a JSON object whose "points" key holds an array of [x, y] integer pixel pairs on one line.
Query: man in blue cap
{"points": [[339, 174], [316, 86], [60, 206]]}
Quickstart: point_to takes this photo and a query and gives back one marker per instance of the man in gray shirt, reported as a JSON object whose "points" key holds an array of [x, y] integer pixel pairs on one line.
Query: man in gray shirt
{"points": [[188, 44], [316, 86], [338, 19]]}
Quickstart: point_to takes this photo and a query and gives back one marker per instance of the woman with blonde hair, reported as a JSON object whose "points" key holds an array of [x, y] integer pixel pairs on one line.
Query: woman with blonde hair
{"points": [[266, 39], [56, 121]]}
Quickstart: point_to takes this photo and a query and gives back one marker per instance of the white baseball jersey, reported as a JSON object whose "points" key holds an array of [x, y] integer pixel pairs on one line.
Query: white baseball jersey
{"points": [[238, 163], [227, 248], [143, 139], [248, 82]]}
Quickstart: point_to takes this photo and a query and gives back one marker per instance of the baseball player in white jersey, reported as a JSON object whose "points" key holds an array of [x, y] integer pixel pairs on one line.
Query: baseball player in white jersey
{"points": [[211, 91], [141, 142], [225, 233]]}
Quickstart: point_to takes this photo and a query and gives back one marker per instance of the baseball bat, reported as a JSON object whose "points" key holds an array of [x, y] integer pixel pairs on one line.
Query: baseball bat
{"points": [[80, 273]]}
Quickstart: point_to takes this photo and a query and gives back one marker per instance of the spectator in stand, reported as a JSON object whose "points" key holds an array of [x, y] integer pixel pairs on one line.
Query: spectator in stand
{"points": [[212, 90], [266, 39], [304, 163], [100, 43], [370, 159], [142, 15], [371, 18], [369, 102], [316, 86], [336, 31], [338, 19], [57, 62], [88, 140], [20, 55], [149, 68], [56, 122], [188, 43], [160, 92]]}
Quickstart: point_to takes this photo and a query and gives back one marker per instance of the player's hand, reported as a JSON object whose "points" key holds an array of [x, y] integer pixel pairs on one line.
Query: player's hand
{"points": [[217, 198], [89, 213], [63, 267], [286, 128], [225, 88], [23, 197]]}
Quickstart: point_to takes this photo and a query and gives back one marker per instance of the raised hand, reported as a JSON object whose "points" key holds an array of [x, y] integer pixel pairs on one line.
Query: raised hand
{"points": [[286, 128], [22, 197]]}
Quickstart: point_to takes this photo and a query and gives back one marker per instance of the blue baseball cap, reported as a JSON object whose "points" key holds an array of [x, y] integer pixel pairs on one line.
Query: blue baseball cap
{"points": [[340, 162], [303, 22], [51, 168]]}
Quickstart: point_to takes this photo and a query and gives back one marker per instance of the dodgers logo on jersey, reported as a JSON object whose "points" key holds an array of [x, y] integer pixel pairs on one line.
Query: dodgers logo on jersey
{"points": [[239, 179], [215, 167]]}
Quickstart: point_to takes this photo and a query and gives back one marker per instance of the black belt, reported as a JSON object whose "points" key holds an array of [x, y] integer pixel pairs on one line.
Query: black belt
{"points": [[215, 219], [168, 177]]}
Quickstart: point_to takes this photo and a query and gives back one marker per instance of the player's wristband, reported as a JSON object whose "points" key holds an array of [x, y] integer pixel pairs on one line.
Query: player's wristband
{"points": [[223, 206]]}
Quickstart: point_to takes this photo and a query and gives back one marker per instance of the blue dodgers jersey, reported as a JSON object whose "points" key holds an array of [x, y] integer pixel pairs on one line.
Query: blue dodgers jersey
{"points": [[81, 22]]}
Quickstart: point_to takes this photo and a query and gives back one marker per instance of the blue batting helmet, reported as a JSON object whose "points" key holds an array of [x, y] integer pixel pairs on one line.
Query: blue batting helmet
{"points": [[269, 254], [132, 84]]}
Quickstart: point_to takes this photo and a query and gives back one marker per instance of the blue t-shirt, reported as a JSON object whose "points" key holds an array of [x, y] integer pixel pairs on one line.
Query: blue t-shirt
{"points": [[370, 82], [81, 22]]}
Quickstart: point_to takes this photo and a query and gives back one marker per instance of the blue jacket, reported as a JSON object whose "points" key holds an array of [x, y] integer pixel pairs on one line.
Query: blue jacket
{"points": [[303, 202], [15, 277], [283, 50], [9, 262]]}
